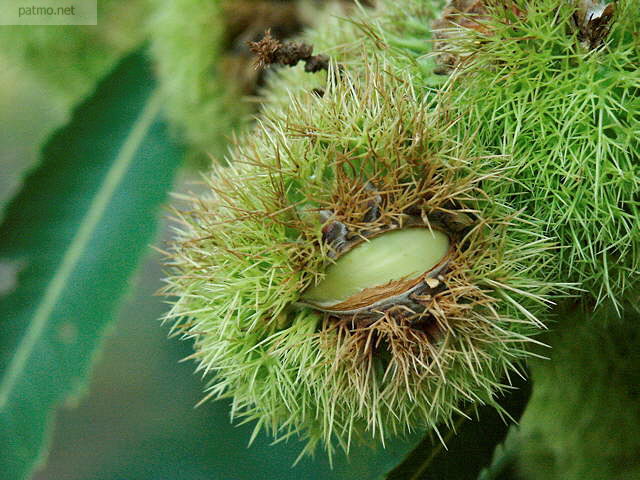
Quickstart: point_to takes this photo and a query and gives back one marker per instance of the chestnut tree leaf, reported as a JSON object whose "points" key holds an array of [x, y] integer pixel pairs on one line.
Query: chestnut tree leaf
{"points": [[505, 457], [77, 230]]}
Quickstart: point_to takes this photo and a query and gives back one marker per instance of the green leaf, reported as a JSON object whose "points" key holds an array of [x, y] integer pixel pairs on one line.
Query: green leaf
{"points": [[25, 129], [74, 235], [505, 457], [470, 448]]}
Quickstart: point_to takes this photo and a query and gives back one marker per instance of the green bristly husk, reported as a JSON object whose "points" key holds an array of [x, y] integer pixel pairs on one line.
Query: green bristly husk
{"points": [[564, 119], [247, 250], [532, 136]]}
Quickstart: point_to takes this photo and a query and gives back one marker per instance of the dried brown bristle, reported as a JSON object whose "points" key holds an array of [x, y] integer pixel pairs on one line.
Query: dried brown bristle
{"points": [[593, 21], [458, 16], [271, 51]]}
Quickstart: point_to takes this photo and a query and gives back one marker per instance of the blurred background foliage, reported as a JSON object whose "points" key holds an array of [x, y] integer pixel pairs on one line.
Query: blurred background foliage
{"points": [[137, 420], [23, 129]]}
